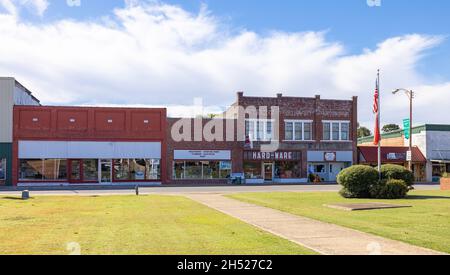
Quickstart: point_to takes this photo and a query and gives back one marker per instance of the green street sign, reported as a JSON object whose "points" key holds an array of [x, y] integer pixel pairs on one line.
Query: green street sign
{"points": [[406, 125]]}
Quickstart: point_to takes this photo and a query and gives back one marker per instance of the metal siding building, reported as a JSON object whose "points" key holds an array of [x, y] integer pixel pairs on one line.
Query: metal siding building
{"points": [[11, 93]]}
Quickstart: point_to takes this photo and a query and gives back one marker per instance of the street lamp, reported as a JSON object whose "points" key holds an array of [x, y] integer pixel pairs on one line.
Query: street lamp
{"points": [[410, 95]]}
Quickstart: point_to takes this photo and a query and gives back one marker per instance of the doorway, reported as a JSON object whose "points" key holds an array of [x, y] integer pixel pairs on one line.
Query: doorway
{"points": [[268, 171], [105, 171], [335, 169], [75, 171]]}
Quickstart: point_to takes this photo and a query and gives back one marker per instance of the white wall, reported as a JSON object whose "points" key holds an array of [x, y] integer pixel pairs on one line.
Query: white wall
{"points": [[6, 108]]}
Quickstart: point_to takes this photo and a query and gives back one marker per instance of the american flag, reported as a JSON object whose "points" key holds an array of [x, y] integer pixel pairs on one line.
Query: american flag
{"points": [[376, 98], [376, 111]]}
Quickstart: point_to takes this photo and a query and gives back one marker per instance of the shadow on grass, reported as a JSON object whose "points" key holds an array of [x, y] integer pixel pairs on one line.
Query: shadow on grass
{"points": [[14, 198], [419, 197]]}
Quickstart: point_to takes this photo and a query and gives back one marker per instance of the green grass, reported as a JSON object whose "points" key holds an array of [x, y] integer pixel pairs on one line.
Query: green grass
{"points": [[129, 225], [427, 224]]}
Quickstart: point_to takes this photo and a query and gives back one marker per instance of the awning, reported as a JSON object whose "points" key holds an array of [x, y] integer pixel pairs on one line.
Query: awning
{"points": [[88, 149], [369, 154]]}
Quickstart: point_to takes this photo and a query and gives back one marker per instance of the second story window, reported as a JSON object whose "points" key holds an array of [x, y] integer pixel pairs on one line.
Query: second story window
{"points": [[297, 130], [336, 130], [259, 129]]}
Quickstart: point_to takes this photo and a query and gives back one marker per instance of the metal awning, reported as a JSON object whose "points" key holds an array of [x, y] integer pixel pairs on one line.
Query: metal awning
{"points": [[445, 161]]}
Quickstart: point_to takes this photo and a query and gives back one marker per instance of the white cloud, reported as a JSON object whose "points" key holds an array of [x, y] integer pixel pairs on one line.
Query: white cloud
{"points": [[157, 54], [13, 6]]}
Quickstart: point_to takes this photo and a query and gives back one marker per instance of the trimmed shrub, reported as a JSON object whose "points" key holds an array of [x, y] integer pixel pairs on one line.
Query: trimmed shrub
{"points": [[397, 172], [390, 190], [357, 181]]}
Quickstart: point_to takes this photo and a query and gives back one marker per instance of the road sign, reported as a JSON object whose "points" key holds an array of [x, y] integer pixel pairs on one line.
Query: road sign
{"points": [[408, 156], [406, 125]]}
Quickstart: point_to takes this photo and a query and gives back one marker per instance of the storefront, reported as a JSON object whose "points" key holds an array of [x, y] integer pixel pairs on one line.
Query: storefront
{"points": [[87, 145], [324, 166], [201, 165], [59, 162], [368, 155], [278, 167]]}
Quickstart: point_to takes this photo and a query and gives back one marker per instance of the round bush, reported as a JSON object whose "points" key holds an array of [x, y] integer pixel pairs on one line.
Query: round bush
{"points": [[390, 190], [357, 181], [397, 172]]}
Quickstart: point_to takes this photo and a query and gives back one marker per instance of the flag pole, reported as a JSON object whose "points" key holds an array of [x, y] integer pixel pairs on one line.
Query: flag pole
{"points": [[379, 124]]}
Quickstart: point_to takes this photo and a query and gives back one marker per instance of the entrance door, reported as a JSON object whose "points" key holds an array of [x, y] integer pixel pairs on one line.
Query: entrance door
{"points": [[105, 171], [335, 169], [75, 171], [268, 171]]}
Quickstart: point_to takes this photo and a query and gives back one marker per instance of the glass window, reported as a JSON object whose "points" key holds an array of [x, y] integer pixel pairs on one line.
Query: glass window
{"points": [[225, 169], [335, 131], [298, 131], [193, 170], [153, 169], [326, 131], [259, 130], [2, 169], [55, 169], [90, 170], [178, 170], [289, 131], [345, 130], [137, 169], [202, 170], [122, 169], [252, 170], [307, 131], [30, 170], [288, 170]]}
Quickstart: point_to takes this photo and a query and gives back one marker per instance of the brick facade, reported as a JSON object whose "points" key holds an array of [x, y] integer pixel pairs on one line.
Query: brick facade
{"points": [[291, 108]]}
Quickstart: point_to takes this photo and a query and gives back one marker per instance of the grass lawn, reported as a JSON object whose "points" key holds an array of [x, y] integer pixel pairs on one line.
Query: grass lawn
{"points": [[129, 225], [427, 224]]}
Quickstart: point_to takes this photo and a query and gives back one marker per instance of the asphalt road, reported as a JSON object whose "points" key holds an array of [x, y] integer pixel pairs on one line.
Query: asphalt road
{"points": [[191, 190]]}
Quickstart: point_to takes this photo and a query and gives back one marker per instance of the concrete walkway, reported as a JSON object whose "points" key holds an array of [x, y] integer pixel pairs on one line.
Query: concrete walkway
{"points": [[328, 239]]}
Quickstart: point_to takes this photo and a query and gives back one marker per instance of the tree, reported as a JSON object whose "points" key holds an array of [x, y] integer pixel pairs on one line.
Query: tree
{"points": [[363, 132], [390, 128]]}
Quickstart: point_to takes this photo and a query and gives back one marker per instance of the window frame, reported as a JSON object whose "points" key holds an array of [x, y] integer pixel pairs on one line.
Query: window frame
{"points": [[340, 122], [267, 137], [294, 123]]}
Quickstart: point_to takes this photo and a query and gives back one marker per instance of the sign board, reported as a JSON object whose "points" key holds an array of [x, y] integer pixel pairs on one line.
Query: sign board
{"points": [[273, 156], [202, 155], [406, 126], [329, 156], [409, 156], [396, 156]]}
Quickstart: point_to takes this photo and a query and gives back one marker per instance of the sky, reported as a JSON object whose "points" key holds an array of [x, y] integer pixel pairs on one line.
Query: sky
{"points": [[167, 53]]}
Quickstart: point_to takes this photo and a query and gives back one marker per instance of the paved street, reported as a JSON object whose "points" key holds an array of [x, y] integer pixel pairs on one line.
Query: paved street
{"points": [[191, 190]]}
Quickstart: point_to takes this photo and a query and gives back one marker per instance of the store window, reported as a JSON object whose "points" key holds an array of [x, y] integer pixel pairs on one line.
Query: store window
{"points": [[259, 129], [137, 169], [2, 169], [336, 130], [201, 169], [42, 169], [90, 170], [253, 170], [298, 130], [288, 170], [439, 169]]}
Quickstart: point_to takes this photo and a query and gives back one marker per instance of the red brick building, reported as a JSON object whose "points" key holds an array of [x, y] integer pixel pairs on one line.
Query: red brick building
{"points": [[315, 136], [83, 145]]}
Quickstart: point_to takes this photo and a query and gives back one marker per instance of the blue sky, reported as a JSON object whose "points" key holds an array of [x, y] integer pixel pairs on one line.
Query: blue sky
{"points": [[169, 52], [352, 22]]}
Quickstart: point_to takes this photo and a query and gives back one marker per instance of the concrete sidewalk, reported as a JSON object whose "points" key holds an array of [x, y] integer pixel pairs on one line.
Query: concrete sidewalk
{"points": [[328, 239]]}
